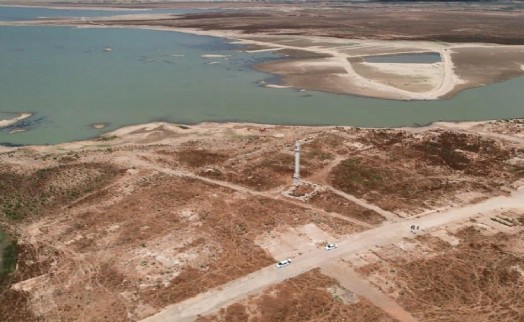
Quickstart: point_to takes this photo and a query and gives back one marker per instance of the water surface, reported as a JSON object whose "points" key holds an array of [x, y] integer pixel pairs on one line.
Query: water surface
{"points": [[8, 13], [418, 58], [67, 79]]}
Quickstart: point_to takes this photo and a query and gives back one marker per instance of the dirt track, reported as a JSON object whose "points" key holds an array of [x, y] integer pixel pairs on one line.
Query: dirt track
{"points": [[352, 281]]}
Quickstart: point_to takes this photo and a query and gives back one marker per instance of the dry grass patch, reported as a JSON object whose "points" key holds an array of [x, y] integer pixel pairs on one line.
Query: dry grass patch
{"points": [[480, 279], [406, 172]]}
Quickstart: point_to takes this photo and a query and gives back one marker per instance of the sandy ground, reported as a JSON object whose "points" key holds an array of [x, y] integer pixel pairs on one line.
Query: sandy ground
{"points": [[105, 253]]}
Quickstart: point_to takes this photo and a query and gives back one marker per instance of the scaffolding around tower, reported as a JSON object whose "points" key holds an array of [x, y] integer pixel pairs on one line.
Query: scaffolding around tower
{"points": [[296, 175]]}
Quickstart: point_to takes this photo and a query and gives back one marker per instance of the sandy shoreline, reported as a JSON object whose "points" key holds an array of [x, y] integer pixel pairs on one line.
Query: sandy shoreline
{"points": [[163, 132]]}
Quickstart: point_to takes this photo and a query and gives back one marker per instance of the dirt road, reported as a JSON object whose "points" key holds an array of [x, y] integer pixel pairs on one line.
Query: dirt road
{"points": [[351, 281], [363, 203], [242, 189], [253, 283]]}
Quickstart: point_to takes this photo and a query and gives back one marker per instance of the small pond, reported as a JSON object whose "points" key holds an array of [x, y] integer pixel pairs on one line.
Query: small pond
{"points": [[417, 58]]}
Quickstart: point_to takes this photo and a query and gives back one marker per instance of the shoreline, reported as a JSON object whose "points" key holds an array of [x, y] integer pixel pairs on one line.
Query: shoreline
{"points": [[449, 85], [127, 132]]}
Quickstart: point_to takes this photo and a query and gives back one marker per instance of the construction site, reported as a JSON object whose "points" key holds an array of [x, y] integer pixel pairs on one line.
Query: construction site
{"points": [[167, 222]]}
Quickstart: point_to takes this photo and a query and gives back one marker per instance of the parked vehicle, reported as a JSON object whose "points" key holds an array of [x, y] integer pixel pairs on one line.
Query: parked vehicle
{"points": [[330, 246], [283, 263]]}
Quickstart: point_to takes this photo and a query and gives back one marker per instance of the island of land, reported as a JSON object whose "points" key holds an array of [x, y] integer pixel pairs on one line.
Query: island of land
{"points": [[13, 120]]}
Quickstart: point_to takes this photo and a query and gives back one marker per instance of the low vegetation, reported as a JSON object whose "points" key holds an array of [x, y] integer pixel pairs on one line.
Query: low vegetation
{"points": [[31, 195], [9, 258], [481, 278]]}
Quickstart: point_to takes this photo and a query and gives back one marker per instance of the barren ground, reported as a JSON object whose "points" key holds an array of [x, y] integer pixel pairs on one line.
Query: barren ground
{"points": [[147, 216]]}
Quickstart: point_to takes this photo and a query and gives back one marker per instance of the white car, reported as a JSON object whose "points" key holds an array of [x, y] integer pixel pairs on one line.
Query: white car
{"points": [[283, 263], [330, 246]]}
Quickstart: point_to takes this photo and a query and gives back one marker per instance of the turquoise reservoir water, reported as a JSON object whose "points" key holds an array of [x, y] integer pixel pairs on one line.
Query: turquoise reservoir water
{"points": [[69, 81], [419, 58], [8, 13], [20, 13]]}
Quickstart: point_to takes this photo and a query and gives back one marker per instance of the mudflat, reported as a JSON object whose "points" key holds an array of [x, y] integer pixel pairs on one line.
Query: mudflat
{"points": [[325, 46]]}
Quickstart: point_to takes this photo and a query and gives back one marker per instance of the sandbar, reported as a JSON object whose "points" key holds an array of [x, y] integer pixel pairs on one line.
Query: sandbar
{"points": [[99, 125], [11, 121]]}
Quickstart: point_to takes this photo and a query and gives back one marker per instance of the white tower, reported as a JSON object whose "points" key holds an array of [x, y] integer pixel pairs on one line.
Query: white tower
{"points": [[296, 176]]}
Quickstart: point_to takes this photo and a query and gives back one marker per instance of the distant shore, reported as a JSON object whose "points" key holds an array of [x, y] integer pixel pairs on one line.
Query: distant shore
{"points": [[64, 6], [337, 65]]}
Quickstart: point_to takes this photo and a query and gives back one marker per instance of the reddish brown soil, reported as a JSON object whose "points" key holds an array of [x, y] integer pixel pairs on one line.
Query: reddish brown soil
{"points": [[15, 304], [16, 307], [266, 173], [325, 147], [227, 227], [96, 227], [478, 280], [199, 158], [33, 194]]}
